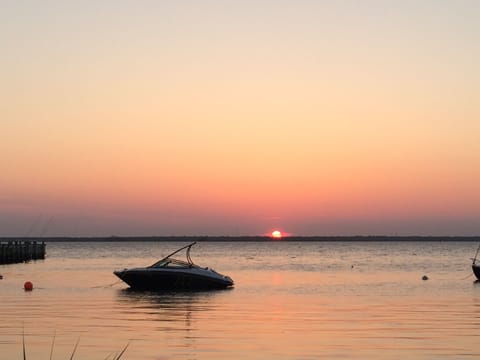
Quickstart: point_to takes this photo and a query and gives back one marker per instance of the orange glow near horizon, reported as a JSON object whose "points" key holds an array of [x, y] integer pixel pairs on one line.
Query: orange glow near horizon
{"points": [[276, 234]]}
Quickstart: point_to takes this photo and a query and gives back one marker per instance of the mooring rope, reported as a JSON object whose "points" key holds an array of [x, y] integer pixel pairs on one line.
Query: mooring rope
{"points": [[106, 286], [465, 278]]}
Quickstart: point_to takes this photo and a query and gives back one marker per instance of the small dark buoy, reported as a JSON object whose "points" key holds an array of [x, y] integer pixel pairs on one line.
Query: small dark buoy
{"points": [[424, 277], [28, 286]]}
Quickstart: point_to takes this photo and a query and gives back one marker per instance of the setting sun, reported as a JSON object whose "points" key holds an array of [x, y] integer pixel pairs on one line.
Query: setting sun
{"points": [[276, 234]]}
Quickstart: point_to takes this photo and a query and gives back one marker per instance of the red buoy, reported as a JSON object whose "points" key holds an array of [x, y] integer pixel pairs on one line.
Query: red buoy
{"points": [[28, 286]]}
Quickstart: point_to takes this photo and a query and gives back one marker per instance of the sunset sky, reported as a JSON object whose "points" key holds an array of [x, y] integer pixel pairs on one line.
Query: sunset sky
{"points": [[239, 117]]}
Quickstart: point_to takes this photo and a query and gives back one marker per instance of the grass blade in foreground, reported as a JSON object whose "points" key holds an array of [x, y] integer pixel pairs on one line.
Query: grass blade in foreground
{"points": [[53, 343], [23, 341], [75, 348], [121, 353]]}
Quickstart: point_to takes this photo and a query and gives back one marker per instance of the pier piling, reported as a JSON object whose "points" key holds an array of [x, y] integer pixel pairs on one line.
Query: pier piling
{"points": [[13, 252]]}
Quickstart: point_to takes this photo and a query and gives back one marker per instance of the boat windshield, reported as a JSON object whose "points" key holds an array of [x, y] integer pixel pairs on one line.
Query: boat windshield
{"points": [[171, 263], [168, 261]]}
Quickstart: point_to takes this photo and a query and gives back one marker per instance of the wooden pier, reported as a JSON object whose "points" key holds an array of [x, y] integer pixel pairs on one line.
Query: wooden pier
{"points": [[12, 252]]}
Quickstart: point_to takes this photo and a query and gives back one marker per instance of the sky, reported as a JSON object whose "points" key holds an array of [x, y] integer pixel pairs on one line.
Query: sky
{"points": [[239, 117]]}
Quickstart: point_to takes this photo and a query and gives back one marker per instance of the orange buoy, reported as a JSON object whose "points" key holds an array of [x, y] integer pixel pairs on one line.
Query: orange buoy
{"points": [[28, 286]]}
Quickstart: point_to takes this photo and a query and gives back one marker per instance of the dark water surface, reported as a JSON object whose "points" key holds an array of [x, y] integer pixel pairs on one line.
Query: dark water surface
{"points": [[306, 300]]}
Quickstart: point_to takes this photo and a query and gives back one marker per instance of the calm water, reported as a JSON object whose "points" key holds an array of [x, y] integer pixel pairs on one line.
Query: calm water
{"points": [[305, 300]]}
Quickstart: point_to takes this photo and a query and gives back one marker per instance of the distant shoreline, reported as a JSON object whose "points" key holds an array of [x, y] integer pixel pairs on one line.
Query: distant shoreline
{"points": [[240, 238]]}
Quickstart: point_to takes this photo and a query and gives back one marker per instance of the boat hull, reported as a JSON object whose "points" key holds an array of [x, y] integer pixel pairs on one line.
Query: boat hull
{"points": [[166, 280], [476, 270]]}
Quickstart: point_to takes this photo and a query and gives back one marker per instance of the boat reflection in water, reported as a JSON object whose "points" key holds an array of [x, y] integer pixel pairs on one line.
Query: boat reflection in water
{"points": [[176, 309], [169, 273]]}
